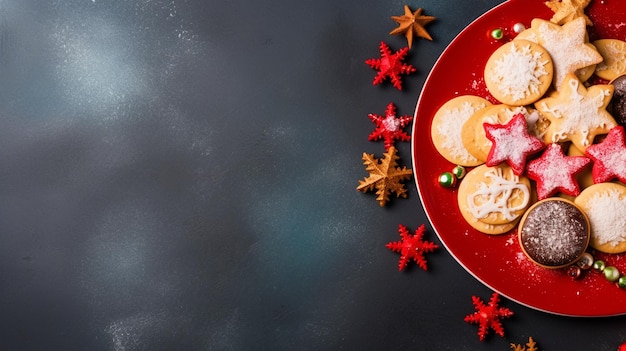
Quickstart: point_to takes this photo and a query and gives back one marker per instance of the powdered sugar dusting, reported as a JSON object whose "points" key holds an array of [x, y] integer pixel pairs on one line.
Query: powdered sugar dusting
{"points": [[450, 128], [568, 52], [518, 71], [554, 233], [614, 56], [607, 214], [577, 113]]}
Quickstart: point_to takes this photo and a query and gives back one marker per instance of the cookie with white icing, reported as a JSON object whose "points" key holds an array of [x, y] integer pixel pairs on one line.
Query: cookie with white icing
{"points": [[576, 113], [493, 198], [519, 73]]}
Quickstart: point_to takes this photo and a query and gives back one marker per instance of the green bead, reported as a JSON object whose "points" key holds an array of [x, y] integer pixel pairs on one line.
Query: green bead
{"points": [[611, 273], [599, 265], [497, 34], [459, 172], [447, 180], [621, 282]]}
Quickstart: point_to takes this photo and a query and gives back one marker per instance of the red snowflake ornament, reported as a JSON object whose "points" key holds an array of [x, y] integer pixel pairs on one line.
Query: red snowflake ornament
{"points": [[389, 128], [609, 157], [555, 172], [622, 347], [488, 316], [511, 143], [412, 247], [390, 65]]}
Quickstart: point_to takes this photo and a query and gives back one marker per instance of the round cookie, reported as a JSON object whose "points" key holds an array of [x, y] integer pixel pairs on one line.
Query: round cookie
{"points": [[585, 73], [613, 52], [605, 205], [519, 72], [447, 126], [554, 233], [617, 106], [493, 196], [473, 134]]}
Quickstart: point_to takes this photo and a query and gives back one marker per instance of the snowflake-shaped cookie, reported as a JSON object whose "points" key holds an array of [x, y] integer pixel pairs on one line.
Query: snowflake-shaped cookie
{"points": [[389, 128], [412, 247], [385, 176], [488, 316], [390, 65]]}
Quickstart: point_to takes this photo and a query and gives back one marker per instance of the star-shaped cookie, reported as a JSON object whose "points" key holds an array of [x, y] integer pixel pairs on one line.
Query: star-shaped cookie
{"points": [[511, 143], [609, 157], [576, 113], [412, 23], [568, 10], [554, 172], [566, 44]]}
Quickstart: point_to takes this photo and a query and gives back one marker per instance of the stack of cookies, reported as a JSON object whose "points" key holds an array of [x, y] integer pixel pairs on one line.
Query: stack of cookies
{"points": [[547, 135]]}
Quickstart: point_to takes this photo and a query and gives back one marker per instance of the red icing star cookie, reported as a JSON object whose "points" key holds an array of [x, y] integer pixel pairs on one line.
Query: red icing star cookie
{"points": [[555, 172], [511, 143], [609, 157]]}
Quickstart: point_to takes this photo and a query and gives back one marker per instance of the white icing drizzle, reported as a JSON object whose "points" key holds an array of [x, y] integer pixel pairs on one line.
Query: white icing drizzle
{"points": [[518, 71], [497, 195]]}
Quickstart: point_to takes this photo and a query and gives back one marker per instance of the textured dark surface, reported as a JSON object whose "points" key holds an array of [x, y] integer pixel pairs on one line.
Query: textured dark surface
{"points": [[180, 175]]}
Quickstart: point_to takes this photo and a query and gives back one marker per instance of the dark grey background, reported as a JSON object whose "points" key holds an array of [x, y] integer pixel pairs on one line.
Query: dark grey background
{"points": [[181, 174]]}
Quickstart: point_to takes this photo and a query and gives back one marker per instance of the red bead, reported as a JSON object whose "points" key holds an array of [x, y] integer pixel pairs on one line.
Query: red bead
{"points": [[574, 271]]}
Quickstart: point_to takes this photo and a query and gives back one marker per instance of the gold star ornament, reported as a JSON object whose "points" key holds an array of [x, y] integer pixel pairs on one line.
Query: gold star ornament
{"points": [[412, 23]]}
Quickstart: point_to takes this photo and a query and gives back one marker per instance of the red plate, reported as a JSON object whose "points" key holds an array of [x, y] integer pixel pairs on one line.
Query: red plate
{"points": [[497, 261]]}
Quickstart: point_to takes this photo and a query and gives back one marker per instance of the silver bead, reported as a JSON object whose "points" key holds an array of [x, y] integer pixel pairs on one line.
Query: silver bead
{"points": [[519, 27], [585, 261]]}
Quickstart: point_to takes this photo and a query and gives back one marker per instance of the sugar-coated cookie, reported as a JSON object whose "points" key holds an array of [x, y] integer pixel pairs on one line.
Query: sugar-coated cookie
{"points": [[609, 157], [493, 196], [567, 45], [577, 114], [554, 232], [447, 127], [613, 52], [511, 143], [584, 178], [473, 133], [566, 11], [605, 205], [519, 73], [555, 172]]}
